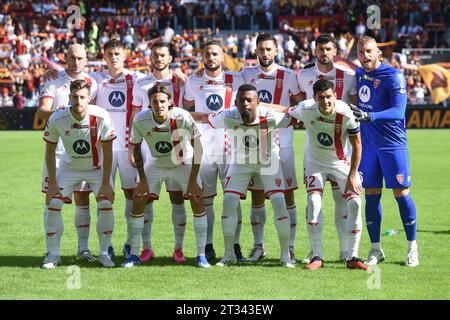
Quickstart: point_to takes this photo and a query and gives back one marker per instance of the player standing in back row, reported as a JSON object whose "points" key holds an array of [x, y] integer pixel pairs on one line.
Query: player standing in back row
{"points": [[344, 81], [382, 105], [278, 85]]}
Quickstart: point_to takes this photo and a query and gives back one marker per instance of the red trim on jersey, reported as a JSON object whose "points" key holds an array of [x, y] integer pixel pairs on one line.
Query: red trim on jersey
{"points": [[314, 190], [50, 141], [278, 86], [136, 107], [176, 140], [339, 83], [46, 96], [264, 138], [94, 136], [176, 91], [337, 136], [267, 194], [228, 90], [291, 189], [53, 209], [129, 81]]}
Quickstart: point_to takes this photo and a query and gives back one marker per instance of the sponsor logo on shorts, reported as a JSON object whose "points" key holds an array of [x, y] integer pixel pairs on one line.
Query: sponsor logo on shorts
{"points": [[46, 134], [214, 102], [265, 96], [289, 182], [325, 139], [116, 98], [163, 147], [81, 147], [400, 178]]}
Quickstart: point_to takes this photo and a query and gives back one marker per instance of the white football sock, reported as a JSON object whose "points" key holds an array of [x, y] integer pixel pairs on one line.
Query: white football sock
{"points": [[54, 226], [353, 226], [127, 212], [82, 224], [237, 234], [200, 226], [412, 245], [293, 228], [315, 223], [258, 218], [229, 219], [105, 225], [282, 221], [45, 229], [147, 227], [135, 225], [210, 214], [340, 218], [179, 218]]}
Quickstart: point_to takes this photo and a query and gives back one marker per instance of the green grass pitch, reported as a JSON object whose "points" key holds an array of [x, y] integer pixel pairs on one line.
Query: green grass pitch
{"points": [[22, 242]]}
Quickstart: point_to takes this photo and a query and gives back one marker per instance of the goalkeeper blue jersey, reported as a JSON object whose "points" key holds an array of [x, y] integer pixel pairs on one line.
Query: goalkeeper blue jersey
{"points": [[382, 92]]}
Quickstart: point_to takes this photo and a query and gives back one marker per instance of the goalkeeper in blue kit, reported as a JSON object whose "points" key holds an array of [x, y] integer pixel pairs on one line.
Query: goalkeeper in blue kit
{"points": [[381, 111]]}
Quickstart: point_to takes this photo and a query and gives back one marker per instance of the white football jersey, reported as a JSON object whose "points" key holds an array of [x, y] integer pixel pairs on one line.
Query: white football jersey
{"points": [[253, 143], [169, 142], [213, 95], [276, 87], [81, 139], [115, 96], [327, 140], [344, 80], [140, 90], [59, 90]]}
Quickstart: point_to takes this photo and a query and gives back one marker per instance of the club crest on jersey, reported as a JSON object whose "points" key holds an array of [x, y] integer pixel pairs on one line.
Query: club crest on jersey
{"points": [[214, 102], [163, 147], [265, 96], [46, 133], [325, 139], [400, 178], [376, 83], [251, 142], [279, 83], [278, 182], [93, 131], [311, 82], [81, 147], [116, 98]]}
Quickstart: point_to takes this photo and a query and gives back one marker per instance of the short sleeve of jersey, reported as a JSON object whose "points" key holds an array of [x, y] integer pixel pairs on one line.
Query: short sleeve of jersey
{"points": [[48, 90], [294, 88], [107, 133], [188, 91], [353, 85], [299, 82], [189, 124], [137, 98], [296, 111], [136, 136], [94, 85], [352, 126], [50, 133], [282, 120], [217, 120]]}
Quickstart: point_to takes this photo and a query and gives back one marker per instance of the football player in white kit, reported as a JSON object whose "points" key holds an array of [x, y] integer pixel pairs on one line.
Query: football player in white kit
{"points": [[344, 81], [255, 154], [174, 142], [161, 75], [87, 134], [53, 96], [332, 151], [114, 94], [276, 85], [214, 90]]}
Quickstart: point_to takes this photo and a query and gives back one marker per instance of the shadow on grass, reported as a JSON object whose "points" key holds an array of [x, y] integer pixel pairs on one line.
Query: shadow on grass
{"points": [[444, 232], [36, 262]]}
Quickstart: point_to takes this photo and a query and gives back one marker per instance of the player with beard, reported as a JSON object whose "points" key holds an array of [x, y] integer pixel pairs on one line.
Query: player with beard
{"points": [[212, 90], [344, 81], [278, 85], [174, 81], [53, 96]]}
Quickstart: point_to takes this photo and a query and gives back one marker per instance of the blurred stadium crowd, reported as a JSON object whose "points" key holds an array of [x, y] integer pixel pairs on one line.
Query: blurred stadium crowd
{"points": [[34, 34]]}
